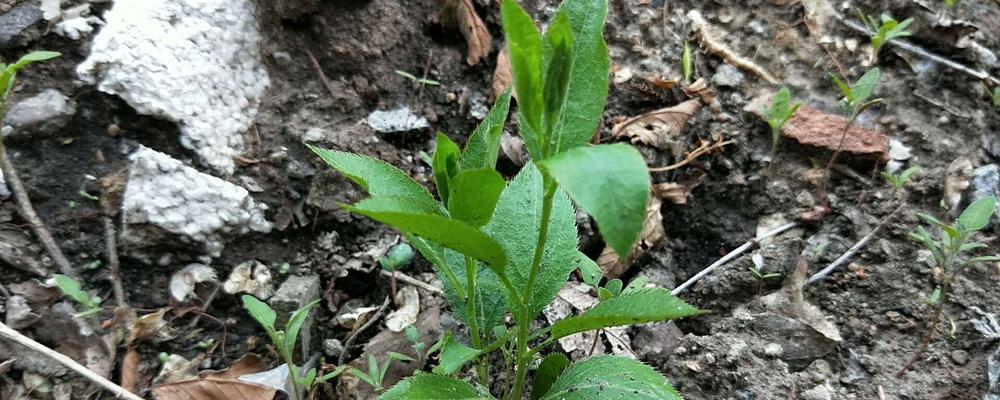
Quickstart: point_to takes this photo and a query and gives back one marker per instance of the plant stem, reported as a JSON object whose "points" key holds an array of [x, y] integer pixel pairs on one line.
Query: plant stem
{"points": [[471, 271], [522, 355], [931, 325], [833, 159]]}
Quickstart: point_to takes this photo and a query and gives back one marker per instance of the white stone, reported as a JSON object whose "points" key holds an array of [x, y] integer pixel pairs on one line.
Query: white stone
{"points": [[163, 192], [398, 120], [195, 62], [4, 192]]}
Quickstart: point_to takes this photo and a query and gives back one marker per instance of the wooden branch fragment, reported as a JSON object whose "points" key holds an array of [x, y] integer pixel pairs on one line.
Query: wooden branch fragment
{"points": [[703, 31]]}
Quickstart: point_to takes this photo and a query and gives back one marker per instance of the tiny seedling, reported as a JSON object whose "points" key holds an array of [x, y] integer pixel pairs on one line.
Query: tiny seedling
{"points": [[284, 341], [72, 289], [778, 114], [900, 180], [376, 375], [398, 257], [504, 249], [951, 3], [686, 63], [418, 81], [9, 71], [994, 96], [758, 271], [881, 33], [950, 246], [419, 347], [855, 101]]}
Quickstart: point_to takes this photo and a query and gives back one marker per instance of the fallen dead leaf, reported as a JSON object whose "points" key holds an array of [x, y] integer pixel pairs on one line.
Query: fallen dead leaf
{"points": [[353, 314], [130, 370], [18, 250], [408, 301], [462, 14], [658, 128], [219, 385], [815, 128], [502, 75], [177, 368], [251, 277], [150, 326], [660, 83], [677, 192], [652, 234], [182, 282]]}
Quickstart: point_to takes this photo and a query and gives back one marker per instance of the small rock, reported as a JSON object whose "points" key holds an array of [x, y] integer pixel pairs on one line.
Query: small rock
{"points": [[295, 293], [820, 392], [398, 120], [773, 350], [332, 348], [252, 277], [727, 75], [19, 314], [960, 357], [4, 191], [985, 183], [44, 112], [182, 283], [21, 25], [656, 339]]}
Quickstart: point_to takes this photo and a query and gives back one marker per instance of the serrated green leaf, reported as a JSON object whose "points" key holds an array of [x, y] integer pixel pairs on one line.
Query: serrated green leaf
{"points": [[637, 283], [524, 45], [424, 386], [450, 266], [548, 371], [483, 147], [637, 307], [589, 270], [609, 182], [977, 215], [444, 165], [454, 356], [260, 311], [587, 91], [474, 195], [400, 214], [294, 325], [377, 177], [557, 63], [611, 377], [515, 225], [864, 87]]}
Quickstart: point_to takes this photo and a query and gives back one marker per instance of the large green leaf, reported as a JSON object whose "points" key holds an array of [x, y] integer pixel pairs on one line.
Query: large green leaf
{"points": [[977, 215], [444, 165], [400, 213], [609, 182], [377, 177], [587, 91], [424, 386], [547, 373], [450, 266], [524, 44], [453, 356], [483, 147], [474, 195], [611, 377], [515, 226], [635, 307]]}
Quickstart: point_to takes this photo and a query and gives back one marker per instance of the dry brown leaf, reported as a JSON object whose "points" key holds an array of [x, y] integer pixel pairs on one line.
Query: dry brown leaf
{"points": [[658, 128], [219, 385], [130, 370], [677, 192], [502, 75], [651, 235], [149, 326], [461, 13], [660, 83], [620, 74]]}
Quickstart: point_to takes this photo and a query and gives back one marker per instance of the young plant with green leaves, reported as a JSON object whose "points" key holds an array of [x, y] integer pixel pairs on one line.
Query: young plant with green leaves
{"points": [[855, 100], [994, 95], [884, 31], [8, 72], [284, 342], [951, 246], [778, 114], [376, 374], [507, 248], [415, 80], [72, 289], [686, 63], [898, 181]]}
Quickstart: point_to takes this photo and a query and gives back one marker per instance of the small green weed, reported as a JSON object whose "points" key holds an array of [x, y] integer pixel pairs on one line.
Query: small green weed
{"points": [[72, 289], [885, 31]]}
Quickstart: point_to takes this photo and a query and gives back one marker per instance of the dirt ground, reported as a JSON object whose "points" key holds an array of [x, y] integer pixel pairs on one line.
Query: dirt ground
{"points": [[877, 303]]}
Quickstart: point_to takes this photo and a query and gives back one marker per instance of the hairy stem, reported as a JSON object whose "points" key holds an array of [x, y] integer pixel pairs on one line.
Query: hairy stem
{"points": [[523, 355], [471, 271]]}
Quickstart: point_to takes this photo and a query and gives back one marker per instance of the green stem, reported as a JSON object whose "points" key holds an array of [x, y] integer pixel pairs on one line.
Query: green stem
{"points": [[470, 311], [523, 355]]}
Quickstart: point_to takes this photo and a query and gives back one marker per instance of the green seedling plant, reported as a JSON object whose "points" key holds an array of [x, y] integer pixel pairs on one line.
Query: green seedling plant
{"points": [[884, 31], [419, 347], [72, 289], [284, 342], [376, 374], [757, 269], [686, 63], [398, 257], [505, 249], [951, 3], [8, 72], [778, 114], [898, 181], [951, 246], [415, 80], [994, 95]]}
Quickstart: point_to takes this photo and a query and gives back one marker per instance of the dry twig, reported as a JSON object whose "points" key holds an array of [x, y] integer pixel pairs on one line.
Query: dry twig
{"points": [[15, 336], [412, 281], [354, 335], [111, 248], [850, 253], [712, 45], [704, 148]]}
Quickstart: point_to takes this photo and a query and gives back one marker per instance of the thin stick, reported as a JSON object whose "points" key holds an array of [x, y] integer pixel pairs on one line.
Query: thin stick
{"points": [[854, 249], [322, 76], [111, 248], [733, 254], [700, 151], [354, 335], [27, 212], [412, 281], [25, 341]]}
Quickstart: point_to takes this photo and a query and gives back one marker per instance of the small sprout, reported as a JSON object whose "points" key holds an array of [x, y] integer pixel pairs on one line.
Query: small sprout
{"points": [[898, 181], [686, 63], [376, 375], [284, 268], [93, 265], [72, 289], [163, 357], [284, 340], [88, 196], [881, 33], [951, 3], [994, 96], [778, 114], [205, 344], [856, 97], [419, 81], [397, 257]]}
